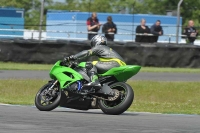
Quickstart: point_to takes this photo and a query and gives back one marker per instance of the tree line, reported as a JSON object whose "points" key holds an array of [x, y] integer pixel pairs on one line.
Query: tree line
{"points": [[189, 8]]}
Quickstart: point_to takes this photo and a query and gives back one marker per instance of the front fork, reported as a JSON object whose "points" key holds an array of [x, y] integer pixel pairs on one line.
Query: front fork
{"points": [[49, 93], [54, 83]]}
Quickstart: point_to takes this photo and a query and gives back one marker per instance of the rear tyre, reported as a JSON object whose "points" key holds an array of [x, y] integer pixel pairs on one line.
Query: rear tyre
{"points": [[47, 100], [121, 104]]}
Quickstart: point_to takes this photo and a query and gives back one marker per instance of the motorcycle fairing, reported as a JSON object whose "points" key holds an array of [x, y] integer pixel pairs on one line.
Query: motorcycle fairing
{"points": [[65, 75], [122, 73]]}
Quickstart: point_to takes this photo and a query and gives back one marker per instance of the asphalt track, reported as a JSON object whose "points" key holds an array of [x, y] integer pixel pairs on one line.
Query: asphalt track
{"points": [[26, 119], [24, 74]]}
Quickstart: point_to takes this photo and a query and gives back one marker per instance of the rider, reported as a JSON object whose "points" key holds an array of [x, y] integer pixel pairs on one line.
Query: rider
{"points": [[108, 59]]}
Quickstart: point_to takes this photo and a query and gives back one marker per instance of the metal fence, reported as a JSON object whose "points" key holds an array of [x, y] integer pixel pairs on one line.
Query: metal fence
{"points": [[34, 34], [35, 23]]}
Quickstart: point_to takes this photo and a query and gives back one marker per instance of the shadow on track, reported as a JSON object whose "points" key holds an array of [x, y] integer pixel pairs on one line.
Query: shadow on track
{"points": [[89, 112]]}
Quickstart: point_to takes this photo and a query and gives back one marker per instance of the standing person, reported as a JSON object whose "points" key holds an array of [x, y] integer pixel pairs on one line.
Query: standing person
{"points": [[156, 30], [109, 27], [93, 25], [142, 29], [191, 32]]}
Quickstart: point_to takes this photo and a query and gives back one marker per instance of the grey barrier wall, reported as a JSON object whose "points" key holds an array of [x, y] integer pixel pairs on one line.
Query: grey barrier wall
{"points": [[48, 52]]}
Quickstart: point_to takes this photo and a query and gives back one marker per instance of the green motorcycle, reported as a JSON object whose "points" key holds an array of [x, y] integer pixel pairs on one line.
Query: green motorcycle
{"points": [[66, 89]]}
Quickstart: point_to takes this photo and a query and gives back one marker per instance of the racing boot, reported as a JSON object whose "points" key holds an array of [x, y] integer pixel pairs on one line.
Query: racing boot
{"points": [[94, 82]]}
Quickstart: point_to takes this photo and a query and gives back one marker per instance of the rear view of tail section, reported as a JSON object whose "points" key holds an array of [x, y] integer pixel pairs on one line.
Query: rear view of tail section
{"points": [[128, 72], [123, 73]]}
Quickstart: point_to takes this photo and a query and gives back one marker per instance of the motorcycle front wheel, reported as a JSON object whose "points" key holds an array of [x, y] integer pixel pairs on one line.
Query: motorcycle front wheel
{"points": [[121, 103], [48, 99]]}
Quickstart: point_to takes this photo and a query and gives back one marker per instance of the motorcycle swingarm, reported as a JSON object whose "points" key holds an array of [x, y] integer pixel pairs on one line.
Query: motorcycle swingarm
{"points": [[106, 90]]}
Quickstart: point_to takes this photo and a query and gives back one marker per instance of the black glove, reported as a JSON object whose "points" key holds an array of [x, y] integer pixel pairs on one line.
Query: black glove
{"points": [[70, 58]]}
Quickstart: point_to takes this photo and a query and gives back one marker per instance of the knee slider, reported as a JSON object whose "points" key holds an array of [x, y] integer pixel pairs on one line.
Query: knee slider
{"points": [[89, 66]]}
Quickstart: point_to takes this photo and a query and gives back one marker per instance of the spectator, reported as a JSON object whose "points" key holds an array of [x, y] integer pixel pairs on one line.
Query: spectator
{"points": [[93, 25], [191, 32], [142, 29], [156, 30], [109, 27]]}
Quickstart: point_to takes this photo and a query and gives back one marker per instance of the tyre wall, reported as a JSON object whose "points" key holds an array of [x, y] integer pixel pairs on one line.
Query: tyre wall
{"points": [[48, 52]]}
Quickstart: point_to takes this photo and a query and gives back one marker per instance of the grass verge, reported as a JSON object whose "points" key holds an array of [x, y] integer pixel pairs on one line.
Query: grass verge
{"points": [[172, 70], [23, 66], [166, 97], [157, 97], [14, 91]]}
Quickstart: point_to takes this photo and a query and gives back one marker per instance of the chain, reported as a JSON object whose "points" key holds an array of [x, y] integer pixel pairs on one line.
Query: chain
{"points": [[100, 97]]}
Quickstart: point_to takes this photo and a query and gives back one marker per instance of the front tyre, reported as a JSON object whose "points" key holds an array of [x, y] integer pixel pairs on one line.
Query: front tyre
{"points": [[48, 99], [122, 103]]}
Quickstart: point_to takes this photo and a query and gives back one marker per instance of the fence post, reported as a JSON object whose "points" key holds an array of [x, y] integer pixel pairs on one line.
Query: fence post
{"points": [[178, 21], [170, 38], [32, 35], [41, 19]]}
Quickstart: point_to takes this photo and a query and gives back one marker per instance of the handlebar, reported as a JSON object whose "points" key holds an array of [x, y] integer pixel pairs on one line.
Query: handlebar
{"points": [[69, 63]]}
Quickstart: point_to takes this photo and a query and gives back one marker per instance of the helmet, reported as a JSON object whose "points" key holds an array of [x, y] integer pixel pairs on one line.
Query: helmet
{"points": [[98, 40]]}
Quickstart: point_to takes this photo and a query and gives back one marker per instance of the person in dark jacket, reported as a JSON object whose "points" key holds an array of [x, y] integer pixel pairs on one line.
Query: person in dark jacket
{"points": [[111, 28], [191, 32], [156, 30], [108, 58], [142, 29], [93, 25]]}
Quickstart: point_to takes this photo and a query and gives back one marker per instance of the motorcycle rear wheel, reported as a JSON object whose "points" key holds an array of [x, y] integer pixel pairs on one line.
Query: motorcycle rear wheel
{"points": [[47, 101], [121, 104]]}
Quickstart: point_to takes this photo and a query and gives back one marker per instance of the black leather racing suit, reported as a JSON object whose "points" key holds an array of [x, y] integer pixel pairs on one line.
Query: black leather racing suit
{"points": [[108, 58]]}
